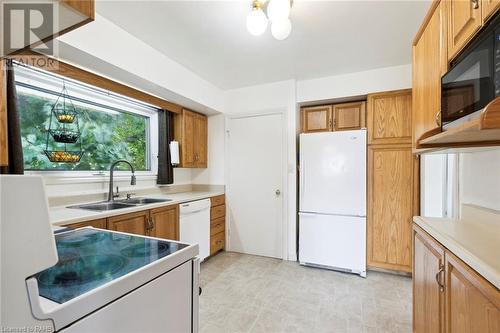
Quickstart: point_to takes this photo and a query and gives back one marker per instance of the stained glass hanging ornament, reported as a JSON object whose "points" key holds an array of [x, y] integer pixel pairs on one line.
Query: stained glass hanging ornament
{"points": [[64, 130]]}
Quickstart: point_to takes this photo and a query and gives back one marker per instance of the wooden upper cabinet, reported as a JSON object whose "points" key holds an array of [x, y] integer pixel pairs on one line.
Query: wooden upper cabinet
{"points": [[4, 152], [190, 130], [472, 303], [165, 222], [349, 116], [389, 117], [430, 62], [316, 119], [133, 223], [488, 8], [464, 20], [201, 141], [336, 117], [392, 171], [428, 295]]}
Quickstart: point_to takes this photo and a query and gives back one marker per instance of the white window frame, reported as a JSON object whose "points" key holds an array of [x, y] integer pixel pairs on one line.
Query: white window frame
{"points": [[53, 177]]}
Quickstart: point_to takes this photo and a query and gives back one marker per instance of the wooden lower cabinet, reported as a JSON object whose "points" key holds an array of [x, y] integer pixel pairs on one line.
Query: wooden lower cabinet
{"points": [[165, 222], [133, 223], [428, 296], [217, 224], [472, 303], [100, 223], [392, 182], [448, 295], [217, 242]]}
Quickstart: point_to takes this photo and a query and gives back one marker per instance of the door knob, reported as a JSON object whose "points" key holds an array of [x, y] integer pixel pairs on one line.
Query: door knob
{"points": [[278, 192]]}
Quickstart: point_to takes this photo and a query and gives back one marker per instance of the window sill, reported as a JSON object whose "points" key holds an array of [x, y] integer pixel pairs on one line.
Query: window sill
{"points": [[61, 178]]}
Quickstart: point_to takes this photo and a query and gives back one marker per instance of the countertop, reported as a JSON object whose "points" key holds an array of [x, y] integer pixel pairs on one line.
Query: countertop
{"points": [[62, 216], [475, 239]]}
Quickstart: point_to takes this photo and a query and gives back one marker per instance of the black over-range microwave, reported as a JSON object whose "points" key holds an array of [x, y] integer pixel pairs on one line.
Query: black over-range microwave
{"points": [[473, 79]]}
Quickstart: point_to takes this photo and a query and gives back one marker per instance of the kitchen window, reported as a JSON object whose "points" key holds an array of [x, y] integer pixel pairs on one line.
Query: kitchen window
{"points": [[112, 127]]}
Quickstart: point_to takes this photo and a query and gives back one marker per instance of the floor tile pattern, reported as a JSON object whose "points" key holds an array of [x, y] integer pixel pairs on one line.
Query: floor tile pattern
{"points": [[244, 293]]}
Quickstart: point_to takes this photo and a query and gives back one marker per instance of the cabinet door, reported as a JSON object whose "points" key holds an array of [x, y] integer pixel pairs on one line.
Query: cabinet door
{"points": [[100, 223], [389, 117], [133, 223], [200, 141], [464, 19], [316, 119], [430, 62], [391, 182], [472, 303], [428, 295], [488, 8], [188, 139], [349, 116], [165, 222]]}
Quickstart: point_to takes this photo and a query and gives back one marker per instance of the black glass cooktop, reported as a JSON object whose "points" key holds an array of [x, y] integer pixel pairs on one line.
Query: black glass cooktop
{"points": [[89, 258]]}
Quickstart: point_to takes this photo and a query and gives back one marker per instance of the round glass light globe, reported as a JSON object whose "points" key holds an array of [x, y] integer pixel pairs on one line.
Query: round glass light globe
{"points": [[281, 29], [256, 22], [278, 10]]}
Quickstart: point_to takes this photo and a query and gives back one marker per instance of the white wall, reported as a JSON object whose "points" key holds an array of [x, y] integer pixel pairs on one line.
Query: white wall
{"points": [[355, 84], [480, 178], [267, 98], [118, 52]]}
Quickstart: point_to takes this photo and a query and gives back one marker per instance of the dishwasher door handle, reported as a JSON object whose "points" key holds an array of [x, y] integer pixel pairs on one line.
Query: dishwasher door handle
{"points": [[193, 212]]}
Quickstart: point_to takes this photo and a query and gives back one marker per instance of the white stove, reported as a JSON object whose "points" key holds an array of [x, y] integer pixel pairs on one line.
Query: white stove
{"points": [[89, 280]]}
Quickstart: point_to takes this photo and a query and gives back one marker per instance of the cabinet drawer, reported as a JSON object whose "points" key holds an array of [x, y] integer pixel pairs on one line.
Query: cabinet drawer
{"points": [[217, 226], [217, 242], [218, 211], [100, 223], [218, 200]]}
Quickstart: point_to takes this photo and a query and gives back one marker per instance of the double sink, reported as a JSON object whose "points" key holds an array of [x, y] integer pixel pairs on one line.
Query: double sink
{"points": [[118, 204]]}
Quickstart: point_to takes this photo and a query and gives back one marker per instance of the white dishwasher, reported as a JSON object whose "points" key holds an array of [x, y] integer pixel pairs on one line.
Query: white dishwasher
{"points": [[195, 225]]}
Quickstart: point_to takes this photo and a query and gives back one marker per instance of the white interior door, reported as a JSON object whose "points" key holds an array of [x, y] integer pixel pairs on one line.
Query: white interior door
{"points": [[255, 182]]}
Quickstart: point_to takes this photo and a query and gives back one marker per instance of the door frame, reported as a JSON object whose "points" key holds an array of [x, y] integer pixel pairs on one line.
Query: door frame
{"points": [[284, 173]]}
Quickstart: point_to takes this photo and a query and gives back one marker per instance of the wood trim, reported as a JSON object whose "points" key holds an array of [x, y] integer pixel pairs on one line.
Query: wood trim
{"points": [[4, 147], [427, 18], [64, 69]]}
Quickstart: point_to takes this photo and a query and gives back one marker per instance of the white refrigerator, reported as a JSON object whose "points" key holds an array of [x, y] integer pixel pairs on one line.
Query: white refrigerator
{"points": [[332, 201]]}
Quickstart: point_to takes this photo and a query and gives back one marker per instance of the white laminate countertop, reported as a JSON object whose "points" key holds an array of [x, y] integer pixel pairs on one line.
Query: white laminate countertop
{"points": [[475, 239], [62, 216]]}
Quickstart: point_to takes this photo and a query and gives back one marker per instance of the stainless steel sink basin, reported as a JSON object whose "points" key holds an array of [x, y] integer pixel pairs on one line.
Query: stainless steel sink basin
{"points": [[119, 204], [142, 201], [100, 206]]}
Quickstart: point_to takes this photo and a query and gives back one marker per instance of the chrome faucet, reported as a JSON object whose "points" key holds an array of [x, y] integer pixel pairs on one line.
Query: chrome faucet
{"points": [[112, 196]]}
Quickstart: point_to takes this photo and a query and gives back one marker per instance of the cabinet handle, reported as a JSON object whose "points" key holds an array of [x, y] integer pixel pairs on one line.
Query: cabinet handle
{"points": [[475, 4], [438, 278], [330, 124], [437, 118]]}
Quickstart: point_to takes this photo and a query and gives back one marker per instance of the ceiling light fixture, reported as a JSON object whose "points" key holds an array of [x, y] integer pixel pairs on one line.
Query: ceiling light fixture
{"points": [[256, 19], [278, 12]]}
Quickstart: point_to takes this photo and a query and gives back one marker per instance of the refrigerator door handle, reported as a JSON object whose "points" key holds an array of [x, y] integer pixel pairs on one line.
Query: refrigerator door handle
{"points": [[302, 180]]}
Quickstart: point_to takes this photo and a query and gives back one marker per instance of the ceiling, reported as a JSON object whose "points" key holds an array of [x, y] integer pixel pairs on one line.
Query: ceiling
{"points": [[328, 37]]}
